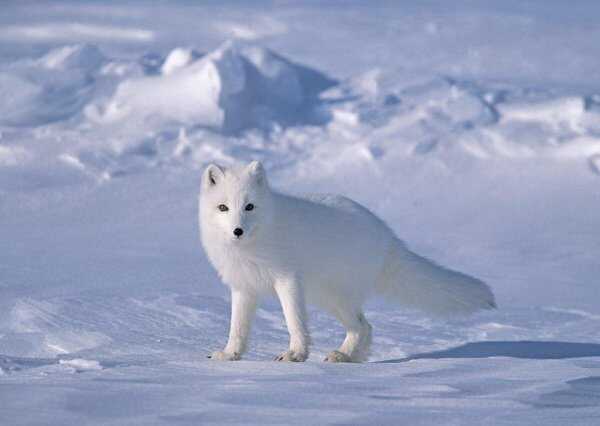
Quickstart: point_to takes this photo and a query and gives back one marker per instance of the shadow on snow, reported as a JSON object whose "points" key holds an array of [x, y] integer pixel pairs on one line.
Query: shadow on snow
{"points": [[517, 349]]}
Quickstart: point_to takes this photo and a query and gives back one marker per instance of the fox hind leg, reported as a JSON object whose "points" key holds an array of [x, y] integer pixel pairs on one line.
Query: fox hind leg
{"points": [[356, 345]]}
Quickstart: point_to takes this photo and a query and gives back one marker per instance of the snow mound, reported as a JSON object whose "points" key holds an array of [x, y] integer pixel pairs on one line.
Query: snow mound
{"points": [[83, 56], [414, 114], [52, 88], [177, 59], [102, 117], [235, 87], [80, 365]]}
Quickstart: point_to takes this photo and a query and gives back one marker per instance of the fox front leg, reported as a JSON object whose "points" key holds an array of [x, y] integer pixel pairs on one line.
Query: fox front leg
{"points": [[243, 308], [291, 296]]}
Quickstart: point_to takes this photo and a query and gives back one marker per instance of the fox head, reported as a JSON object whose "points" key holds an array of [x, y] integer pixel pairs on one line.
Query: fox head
{"points": [[234, 202]]}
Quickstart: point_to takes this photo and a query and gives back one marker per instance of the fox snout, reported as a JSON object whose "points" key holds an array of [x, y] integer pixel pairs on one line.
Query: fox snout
{"points": [[238, 232]]}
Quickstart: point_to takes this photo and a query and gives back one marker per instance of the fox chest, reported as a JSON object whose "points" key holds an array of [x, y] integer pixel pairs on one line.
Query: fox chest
{"points": [[240, 273]]}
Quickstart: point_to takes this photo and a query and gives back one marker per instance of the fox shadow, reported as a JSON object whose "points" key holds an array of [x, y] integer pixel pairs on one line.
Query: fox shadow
{"points": [[514, 349]]}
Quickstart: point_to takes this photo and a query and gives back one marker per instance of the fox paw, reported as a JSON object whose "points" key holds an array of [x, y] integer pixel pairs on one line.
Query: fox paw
{"points": [[224, 356], [337, 356], [291, 356]]}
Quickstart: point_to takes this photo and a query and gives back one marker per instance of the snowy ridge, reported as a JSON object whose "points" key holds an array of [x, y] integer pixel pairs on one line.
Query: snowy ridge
{"points": [[185, 107], [483, 121], [232, 88]]}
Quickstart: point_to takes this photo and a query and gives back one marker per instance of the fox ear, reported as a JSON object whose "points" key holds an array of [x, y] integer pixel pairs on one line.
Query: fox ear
{"points": [[212, 175], [256, 170]]}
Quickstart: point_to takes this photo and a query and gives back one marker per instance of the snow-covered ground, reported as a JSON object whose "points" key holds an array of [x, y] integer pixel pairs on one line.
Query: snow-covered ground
{"points": [[473, 129]]}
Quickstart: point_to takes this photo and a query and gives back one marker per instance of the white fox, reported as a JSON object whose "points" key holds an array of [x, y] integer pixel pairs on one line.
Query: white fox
{"points": [[326, 250]]}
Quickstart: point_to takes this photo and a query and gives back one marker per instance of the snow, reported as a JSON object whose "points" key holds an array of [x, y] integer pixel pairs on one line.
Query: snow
{"points": [[229, 89], [473, 130], [80, 365]]}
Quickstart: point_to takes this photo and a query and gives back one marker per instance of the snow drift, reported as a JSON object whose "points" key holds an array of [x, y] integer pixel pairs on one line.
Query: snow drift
{"points": [[51, 88], [237, 86], [106, 117]]}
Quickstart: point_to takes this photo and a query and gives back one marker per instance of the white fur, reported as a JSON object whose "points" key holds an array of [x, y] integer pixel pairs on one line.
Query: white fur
{"points": [[325, 250]]}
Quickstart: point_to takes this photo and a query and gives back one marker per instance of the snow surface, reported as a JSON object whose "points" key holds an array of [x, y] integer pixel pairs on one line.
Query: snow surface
{"points": [[472, 128]]}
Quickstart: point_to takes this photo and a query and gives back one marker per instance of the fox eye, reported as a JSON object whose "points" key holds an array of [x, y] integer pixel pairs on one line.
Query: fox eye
{"points": [[223, 207], [249, 207]]}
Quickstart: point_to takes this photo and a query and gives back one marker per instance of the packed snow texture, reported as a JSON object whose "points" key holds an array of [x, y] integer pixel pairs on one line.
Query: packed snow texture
{"points": [[473, 130]]}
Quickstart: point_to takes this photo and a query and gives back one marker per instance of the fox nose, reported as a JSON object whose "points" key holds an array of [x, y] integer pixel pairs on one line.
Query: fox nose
{"points": [[238, 232]]}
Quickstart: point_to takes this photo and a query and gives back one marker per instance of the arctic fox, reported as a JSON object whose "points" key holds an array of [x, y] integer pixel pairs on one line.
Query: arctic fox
{"points": [[326, 250]]}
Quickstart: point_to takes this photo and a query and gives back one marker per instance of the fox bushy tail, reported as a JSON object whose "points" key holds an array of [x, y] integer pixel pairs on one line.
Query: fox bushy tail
{"points": [[419, 283]]}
